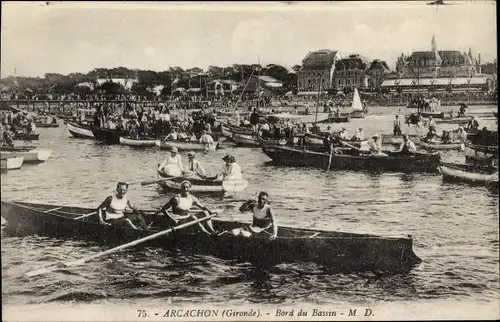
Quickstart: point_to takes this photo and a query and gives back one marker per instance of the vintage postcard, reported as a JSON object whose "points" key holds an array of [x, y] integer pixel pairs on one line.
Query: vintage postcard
{"points": [[270, 161]]}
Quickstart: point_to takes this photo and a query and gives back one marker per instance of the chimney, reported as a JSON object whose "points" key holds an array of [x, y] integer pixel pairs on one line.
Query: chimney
{"points": [[479, 58]]}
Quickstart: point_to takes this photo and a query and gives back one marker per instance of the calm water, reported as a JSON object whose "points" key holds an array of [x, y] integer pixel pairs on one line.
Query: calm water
{"points": [[455, 229]]}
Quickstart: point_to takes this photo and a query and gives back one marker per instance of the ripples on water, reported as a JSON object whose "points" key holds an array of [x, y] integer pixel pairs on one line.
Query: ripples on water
{"points": [[455, 229]]}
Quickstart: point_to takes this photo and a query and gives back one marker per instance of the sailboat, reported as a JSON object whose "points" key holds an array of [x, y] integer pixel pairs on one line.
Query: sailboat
{"points": [[357, 107]]}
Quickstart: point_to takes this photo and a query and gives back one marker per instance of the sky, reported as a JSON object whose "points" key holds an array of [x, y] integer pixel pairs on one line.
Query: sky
{"points": [[80, 36]]}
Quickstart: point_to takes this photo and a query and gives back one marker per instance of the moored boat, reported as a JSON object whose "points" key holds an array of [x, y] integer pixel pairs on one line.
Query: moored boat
{"points": [[242, 136], [46, 125], [390, 139], [107, 135], [29, 155], [336, 119], [11, 162], [435, 145], [456, 120], [317, 140], [138, 143], [27, 137], [80, 131], [436, 115], [393, 161], [203, 186], [480, 154], [454, 172], [185, 145], [336, 251]]}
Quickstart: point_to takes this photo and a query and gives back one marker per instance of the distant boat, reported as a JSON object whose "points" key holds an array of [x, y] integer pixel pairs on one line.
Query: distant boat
{"points": [[357, 106]]}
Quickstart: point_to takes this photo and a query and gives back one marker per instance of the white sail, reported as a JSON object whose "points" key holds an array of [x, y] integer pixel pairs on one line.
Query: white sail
{"points": [[356, 101]]}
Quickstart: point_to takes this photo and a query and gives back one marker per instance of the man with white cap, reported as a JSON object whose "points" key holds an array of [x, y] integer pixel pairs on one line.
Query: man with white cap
{"points": [[194, 169], [172, 165]]}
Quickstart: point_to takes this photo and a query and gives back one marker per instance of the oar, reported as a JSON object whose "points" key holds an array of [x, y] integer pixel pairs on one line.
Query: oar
{"points": [[86, 215], [115, 249], [147, 183], [330, 159]]}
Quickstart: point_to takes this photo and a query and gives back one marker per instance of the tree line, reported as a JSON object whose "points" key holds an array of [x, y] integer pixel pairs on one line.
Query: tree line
{"points": [[170, 79]]}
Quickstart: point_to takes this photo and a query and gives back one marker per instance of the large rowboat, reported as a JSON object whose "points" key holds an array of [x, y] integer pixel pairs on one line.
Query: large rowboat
{"points": [[137, 143], [317, 140], [453, 172], [456, 120], [480, 154], [336, 251], [240, 135], [416, 162], [432, 145], [390, 139], [436, 115], [107, 135], [29, 154], [79, 131], [10, 163], [186, 146], [203, 186]]}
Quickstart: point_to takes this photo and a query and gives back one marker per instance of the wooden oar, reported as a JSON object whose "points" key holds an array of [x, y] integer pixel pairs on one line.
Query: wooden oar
{"points": [[86, 215], [115, 249], [147, 183], [330, 159]]}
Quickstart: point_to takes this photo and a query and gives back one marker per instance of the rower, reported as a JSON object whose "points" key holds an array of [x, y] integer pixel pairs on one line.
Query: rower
{"points": [[430, 135], [181, 205], [263, 222], [445, 137], [375, 147], [407, 146], [195, 170], [231, 170], [473, 124], [462, 134], [397, 126], [432, 124], [112, 210], [172, 165]]}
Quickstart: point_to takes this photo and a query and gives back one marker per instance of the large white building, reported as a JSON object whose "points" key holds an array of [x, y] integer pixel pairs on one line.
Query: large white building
{"points": [[317, 71]]}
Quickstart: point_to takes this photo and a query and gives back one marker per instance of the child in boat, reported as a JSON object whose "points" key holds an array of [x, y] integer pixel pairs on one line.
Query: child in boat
{"points": [[264, 221]]}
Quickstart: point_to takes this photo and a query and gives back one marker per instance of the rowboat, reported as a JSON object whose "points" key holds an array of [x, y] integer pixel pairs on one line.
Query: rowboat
{"points": [[107, 135], [480, 154], [203, 186], [456, 120], [415, 162], [357, 114], [228, 130], [436, 115], [333, 250], [336, 119], [433, 145], [29, 155], [317, 140], [390, 139], [27, 137], [80, 131], [240, 135], [454, 172], [137, 143], [11, 163], [186, 146], [40, 124]]}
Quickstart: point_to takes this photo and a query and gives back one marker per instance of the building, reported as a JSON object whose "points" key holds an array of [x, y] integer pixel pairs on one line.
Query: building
{"points": [[268, 85], [376, 73], [317, 68], [437, 63], [126, 83], [351, 72]]}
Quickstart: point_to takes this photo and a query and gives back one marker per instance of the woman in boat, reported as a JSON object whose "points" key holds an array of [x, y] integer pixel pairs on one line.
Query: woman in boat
{"points": [[112, 210], [231, 170], [264, 220], [194, 169], [172, 165], [181, 205]]}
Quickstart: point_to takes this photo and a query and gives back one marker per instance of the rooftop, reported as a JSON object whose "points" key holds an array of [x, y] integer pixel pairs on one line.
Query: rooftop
{"points": [[321, 59]]}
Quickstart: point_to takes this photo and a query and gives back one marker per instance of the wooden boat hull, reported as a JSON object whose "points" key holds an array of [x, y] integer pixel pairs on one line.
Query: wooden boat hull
{"points": [[440, 146], [333, 119], [11, 163], [436, 115], [453, 172], [480, 154], [27, 137], [30, 156], [185, 146], [245, 140], [336, 251], [399, 163], [138, 143], [45, 125], [202, 186], [80, 132], [456, 120], [107, 136], [317, 141], [357, 115], [390, 139]]}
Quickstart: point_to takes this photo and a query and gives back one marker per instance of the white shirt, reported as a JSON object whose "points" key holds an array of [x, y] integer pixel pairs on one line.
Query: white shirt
{"points": [[171, 161], [196, 167], [172, 136], [411, 146], [265, 127], [232, 172], [432, 123], [206, 139]]}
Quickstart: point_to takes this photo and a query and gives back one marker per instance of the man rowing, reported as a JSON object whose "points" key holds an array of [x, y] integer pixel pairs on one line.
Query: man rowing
{"points": [[112, 210], [231, 170], [375, 146], [194, 169], [407, 147], [263, 219], [172, 164], [180, 206]]}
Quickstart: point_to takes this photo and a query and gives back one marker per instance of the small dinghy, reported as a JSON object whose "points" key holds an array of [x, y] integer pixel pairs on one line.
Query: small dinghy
{"points": [[454, 172]]}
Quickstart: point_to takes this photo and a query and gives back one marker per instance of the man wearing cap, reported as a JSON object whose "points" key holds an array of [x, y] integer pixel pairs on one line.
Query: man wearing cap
{"points": [[407, 147], [172, 165], [375, 147], [194, 169], [231, 170]]}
